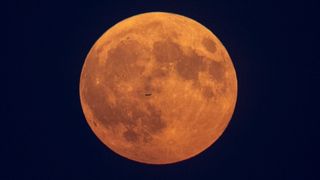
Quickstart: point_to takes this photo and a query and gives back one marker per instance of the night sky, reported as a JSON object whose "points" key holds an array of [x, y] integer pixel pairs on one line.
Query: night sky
{"points": [[273, 134]]}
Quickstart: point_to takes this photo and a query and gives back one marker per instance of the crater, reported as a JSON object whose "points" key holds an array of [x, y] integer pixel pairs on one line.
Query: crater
{"points": [[209, 44]]}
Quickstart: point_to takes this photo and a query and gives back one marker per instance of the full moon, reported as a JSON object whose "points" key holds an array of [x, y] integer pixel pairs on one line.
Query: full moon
{"points": [[158, 88]]}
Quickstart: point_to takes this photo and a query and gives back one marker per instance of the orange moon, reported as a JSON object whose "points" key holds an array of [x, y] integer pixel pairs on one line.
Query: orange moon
{"points": [[158, 88]]}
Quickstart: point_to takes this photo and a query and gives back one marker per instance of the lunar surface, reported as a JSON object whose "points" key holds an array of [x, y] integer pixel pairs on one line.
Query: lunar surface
{"points": [[158, 88]]}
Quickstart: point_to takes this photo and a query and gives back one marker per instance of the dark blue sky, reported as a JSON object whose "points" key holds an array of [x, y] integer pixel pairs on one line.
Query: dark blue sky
{"points": [[272, 135]]}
